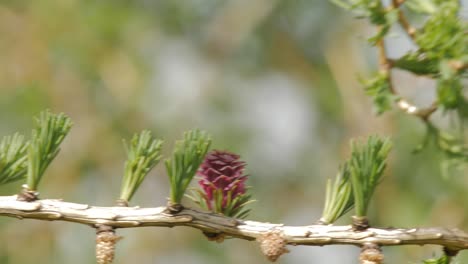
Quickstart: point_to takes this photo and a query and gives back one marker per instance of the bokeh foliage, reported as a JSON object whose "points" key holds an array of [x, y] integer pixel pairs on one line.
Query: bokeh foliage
{"points": [[274, 81]]}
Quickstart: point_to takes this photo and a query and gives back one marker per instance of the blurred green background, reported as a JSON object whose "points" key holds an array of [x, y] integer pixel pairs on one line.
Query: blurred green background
{"points": [[275, 81]]}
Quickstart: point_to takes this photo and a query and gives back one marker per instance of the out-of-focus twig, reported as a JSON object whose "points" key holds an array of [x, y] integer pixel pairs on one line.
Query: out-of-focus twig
{"points": [[385, 66], [411, 31]]}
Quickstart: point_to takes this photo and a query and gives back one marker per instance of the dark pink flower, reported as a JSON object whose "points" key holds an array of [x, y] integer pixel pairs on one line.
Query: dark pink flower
{"points": [[222, 174]]}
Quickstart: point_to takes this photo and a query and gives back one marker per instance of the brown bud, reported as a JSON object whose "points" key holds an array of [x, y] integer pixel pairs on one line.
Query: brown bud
{"points": [[217, 237], [273, 244], [371, 254], [105, 244]]}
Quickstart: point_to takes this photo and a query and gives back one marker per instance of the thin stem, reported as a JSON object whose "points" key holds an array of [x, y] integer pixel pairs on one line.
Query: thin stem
{"points": [[458, 65], [385, 66], [411, 31]]}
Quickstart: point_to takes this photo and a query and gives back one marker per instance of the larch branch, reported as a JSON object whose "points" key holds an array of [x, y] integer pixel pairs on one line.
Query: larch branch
{"points": [[314, 235]]}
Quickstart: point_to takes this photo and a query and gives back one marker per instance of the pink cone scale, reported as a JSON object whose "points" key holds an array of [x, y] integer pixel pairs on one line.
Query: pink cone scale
{"points": [[222, 181]]}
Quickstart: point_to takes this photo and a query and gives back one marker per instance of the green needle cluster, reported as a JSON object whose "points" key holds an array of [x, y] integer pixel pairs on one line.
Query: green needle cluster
{"points": [[187, 157], [338, 198], [356, 180], [144, 152], [13, 158], [366, 166], [20, 158], [50, 131], [442, 260]]}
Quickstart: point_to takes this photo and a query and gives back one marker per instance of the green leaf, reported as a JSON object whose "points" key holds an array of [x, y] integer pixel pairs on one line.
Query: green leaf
{"points": [[450, 93], [381, 33], [342, 3], [144, 152], [339, 197], [447, 72], [444, 34], [187, 157], [49, 133], [13, 158], [442, 260], [453, 147], [379, 88], [417, 63], [366, 165], [422, 6], [237, 208], [371, 9], [198, 197]]}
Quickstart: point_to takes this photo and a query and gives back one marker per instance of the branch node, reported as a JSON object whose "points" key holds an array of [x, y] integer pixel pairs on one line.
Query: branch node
{"points": [[322, 221], [450, 252], [360, 223], [27, 195], [173, 208], [457, 65], [217, 237], [371, 254], [121, 203], [273, 244]]}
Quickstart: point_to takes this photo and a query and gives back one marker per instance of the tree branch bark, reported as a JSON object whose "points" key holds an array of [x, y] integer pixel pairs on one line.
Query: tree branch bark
{"points": [[314, 235]]}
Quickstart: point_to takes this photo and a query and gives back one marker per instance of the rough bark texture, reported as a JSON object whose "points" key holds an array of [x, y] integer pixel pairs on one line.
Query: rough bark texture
{"points": [[319, 235], [105, 244]]}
